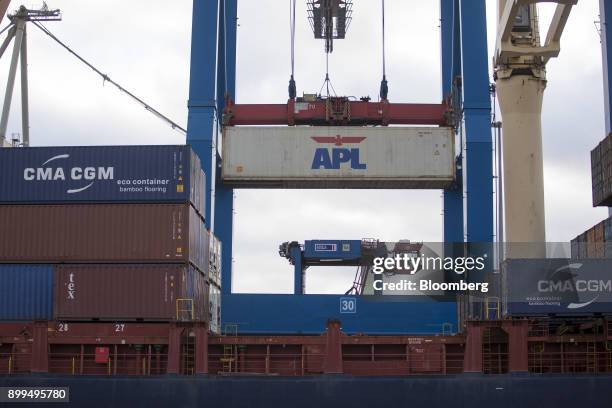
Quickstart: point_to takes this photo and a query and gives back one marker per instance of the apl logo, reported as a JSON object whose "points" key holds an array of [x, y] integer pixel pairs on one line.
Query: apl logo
{"points": [[333, 158], [82, 174]]}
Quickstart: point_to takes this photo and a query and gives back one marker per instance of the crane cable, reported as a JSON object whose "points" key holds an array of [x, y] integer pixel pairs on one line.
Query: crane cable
{"points": [[106, 78], [6, 28], [292, 87], [384, 86], [327, 82]]}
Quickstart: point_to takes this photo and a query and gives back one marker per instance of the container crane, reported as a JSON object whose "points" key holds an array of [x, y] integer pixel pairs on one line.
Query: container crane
{"points": [[520, 77], [329, 20], [332, 253], [17, 32], [216, 118]]}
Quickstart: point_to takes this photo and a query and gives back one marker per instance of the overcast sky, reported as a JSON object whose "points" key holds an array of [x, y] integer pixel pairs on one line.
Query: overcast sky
{"points": [[145, 45]]}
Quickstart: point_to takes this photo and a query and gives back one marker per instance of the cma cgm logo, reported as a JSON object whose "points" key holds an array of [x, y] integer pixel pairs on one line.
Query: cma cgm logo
{"points": [[565, 279], [51, 171], [333, 158]]}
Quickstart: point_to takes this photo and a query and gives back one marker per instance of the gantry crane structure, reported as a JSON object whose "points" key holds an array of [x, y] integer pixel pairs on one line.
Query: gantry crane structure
{"points": [[468, 204], [465, 106]]}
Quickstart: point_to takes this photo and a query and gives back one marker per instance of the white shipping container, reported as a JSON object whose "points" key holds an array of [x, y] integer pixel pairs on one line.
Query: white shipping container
{"points": [[339, 157]]}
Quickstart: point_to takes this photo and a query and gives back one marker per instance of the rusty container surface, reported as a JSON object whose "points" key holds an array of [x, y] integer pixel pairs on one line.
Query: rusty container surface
{"points": [[574, 248], [590, 243], [130, 292], [582, 249], [601, 173], [102, 233], [599, 240]]}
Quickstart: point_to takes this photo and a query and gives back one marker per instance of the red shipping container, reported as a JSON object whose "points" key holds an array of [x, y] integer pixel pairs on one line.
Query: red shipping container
{"points": [[130, 292], [102, 354], [100, 233]]}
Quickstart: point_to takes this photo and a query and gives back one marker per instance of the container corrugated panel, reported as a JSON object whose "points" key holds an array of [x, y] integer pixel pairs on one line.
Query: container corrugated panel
{"points": [[574, 248], [100, 233], [26, 292], [606, 146], [606, 190], [197, 288], [558, 286], [215, 309], [608, 238], [596, 156], [215, 260], [130, 292], [583, 245], [596, 195], [197, 184], [601, 173], [101, 174], [608, 229], [338, 157], [608, 250], [590, 243], [198, 244], [205, 242], [599, 240]]}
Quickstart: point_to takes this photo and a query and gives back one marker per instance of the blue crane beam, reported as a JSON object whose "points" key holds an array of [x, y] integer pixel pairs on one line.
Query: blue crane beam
{"points": [[202, 121], [478, 171], [226, 86], [451, 69]]}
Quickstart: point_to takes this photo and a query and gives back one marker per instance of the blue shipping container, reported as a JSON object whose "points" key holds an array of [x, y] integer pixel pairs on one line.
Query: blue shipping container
{"points": [[101, 174], [557, 286], [26, 292]]}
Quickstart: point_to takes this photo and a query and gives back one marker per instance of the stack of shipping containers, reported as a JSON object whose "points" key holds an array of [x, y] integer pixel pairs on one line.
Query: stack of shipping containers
{"points": [[112, 233], [596, 242]]}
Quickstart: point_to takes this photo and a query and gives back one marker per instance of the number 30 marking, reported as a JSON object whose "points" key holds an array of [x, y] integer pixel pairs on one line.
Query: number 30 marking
{"points": [[348, 305]]}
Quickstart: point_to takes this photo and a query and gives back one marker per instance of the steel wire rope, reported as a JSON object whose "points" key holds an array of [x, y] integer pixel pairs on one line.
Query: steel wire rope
{"points": [[106, 78]]}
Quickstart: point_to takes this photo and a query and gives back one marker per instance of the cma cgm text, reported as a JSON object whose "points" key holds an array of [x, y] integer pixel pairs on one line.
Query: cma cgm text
{"points": [[75, 173]]}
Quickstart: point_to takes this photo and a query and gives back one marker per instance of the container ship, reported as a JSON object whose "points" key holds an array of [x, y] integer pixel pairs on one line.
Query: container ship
{"points": [[116, 261]]}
